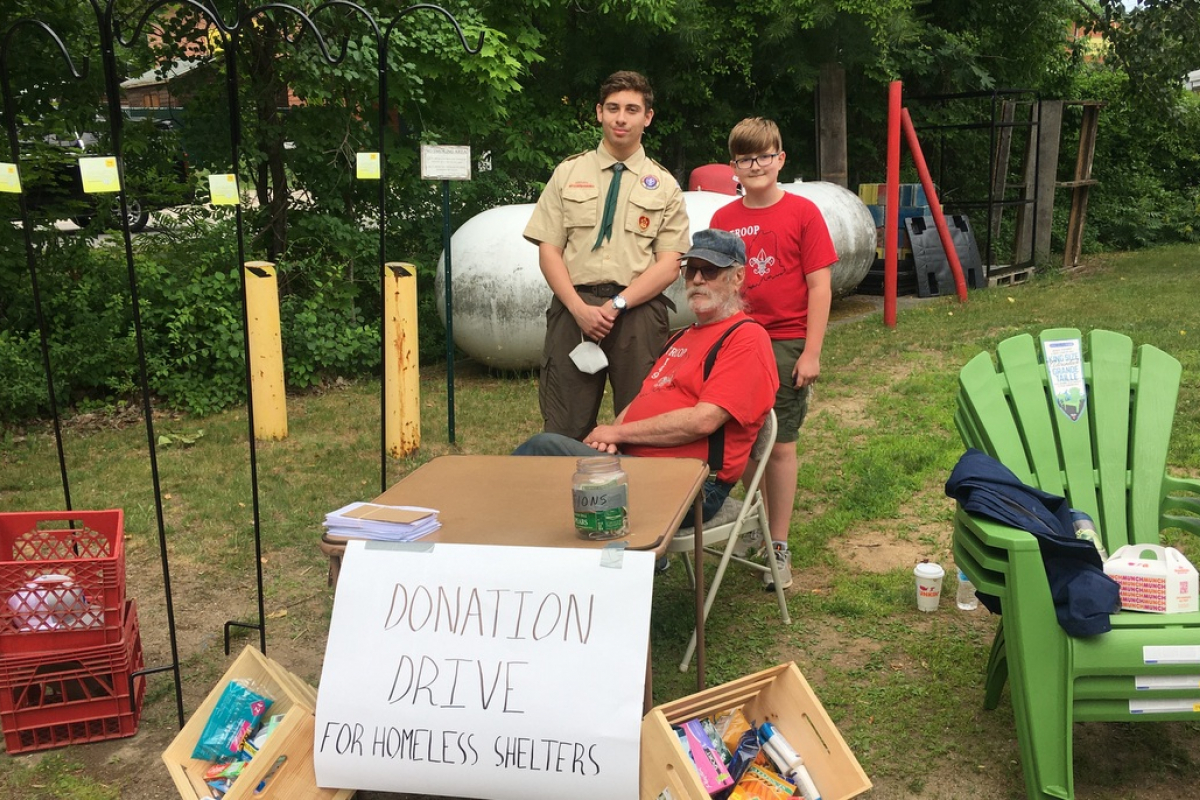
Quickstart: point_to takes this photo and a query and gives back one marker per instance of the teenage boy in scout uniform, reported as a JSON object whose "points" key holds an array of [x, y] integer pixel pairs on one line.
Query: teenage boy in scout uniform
{"points": [[610, 227]]}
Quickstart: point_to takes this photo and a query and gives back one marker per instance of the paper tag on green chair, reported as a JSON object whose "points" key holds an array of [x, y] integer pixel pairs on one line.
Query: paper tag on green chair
{"points": [[1064, 364]]}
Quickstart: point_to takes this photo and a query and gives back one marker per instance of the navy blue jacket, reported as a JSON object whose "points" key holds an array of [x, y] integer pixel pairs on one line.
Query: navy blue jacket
{"points": [[1084, 597]]}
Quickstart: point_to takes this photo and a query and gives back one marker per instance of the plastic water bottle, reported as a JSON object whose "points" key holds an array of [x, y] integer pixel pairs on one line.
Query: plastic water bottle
{"points": [[967, 601], [1085, 528]]}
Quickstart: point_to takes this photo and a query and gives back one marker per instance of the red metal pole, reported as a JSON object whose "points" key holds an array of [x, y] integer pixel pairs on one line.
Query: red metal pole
{"points": [[939, 219], [891, 217]]}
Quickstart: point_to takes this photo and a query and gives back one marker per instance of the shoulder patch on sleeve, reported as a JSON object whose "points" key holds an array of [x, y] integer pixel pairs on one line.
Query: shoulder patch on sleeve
{"points": [[666, 175]]}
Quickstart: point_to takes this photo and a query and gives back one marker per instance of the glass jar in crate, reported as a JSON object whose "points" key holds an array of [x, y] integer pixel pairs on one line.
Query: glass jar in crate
{"points": [[600, 493]]}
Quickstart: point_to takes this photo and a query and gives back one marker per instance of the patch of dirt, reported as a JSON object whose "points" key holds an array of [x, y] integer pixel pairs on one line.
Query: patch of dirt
{"points": [[879, 551]]}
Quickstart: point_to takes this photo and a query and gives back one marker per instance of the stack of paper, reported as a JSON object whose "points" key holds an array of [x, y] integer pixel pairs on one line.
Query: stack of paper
{"points": [[381, 523]]}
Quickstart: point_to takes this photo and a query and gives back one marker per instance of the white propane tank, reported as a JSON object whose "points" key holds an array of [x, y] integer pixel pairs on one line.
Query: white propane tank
{"points": [[500, 297], [851, 227]]}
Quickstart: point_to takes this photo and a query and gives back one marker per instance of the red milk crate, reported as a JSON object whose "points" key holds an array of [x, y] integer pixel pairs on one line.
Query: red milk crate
{"points": [[62, 580], [73, 696]]}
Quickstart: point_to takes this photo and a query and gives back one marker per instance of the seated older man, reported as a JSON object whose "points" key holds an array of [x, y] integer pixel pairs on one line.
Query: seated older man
{"points": [[711, 389]]}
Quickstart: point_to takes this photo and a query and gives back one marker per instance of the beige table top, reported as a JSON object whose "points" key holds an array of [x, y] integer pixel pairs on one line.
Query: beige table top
{"points": [[526, 500]]}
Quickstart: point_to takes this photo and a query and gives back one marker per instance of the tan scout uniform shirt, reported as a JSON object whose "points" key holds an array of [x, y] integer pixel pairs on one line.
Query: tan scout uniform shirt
{"points": [[650, 217]]}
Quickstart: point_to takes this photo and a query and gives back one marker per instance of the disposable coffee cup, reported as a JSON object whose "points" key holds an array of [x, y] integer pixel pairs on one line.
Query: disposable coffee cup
{"points": [[929, 585]]}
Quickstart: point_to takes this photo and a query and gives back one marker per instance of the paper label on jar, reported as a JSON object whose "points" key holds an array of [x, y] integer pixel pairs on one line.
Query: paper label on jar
{"points": [[601, 509]]}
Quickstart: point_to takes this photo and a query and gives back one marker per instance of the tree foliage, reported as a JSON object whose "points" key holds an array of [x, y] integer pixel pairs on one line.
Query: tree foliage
{"points": [[1155, 43]]}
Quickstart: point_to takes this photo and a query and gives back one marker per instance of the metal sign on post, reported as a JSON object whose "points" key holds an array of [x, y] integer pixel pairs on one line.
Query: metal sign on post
{"points": [[447, 163]]}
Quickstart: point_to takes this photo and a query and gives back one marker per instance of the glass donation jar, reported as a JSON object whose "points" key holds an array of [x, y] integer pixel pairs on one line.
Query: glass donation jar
{"points": [[600, 492]]}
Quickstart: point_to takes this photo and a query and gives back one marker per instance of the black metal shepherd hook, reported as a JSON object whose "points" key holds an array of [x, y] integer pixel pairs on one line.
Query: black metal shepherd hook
{"points": [[382, 41], [14, 146], [107, 29], [232, 76]]}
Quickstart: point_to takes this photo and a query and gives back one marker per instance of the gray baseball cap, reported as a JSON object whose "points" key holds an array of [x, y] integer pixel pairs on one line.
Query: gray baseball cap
{"points": [[717, 247]]}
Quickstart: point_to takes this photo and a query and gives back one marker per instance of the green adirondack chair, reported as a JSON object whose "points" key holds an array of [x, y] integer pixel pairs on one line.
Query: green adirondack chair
{"points": [[1105, 451]]}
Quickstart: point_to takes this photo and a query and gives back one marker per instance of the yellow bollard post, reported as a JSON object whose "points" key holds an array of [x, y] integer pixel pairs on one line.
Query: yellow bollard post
{"points": [[266, 351], [401, 369]]}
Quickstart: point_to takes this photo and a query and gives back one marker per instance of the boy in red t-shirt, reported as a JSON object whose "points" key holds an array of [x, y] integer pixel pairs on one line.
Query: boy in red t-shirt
{"points": [[787, 290]]}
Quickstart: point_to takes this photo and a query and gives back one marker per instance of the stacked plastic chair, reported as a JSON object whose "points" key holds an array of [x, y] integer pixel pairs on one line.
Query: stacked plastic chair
{"points": [[69, 638]]}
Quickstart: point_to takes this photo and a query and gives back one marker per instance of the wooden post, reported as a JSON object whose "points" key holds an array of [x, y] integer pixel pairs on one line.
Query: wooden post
{"points": [[269, 399], [1082, 183], [401, 368], [1000, 177], [831, 125], [1041, 164], [1049, 140], [1023, 235]]}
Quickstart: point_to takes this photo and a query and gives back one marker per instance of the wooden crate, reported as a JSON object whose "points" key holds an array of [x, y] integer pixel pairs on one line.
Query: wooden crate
{"points": [[291, 744], [779, 695]]}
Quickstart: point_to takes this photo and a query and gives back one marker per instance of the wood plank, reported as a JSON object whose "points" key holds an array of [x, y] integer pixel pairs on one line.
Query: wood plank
{"points": [[1000, 173], [1083, 180], [832, 162], [1049, 141], [1023, 237]]}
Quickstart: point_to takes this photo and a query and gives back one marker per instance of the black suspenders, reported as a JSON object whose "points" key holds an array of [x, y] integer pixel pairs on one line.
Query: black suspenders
{"points": [[716, 439]]}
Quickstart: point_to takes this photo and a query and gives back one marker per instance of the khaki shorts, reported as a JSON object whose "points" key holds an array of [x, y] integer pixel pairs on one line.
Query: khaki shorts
{"points": [[791, 404]]}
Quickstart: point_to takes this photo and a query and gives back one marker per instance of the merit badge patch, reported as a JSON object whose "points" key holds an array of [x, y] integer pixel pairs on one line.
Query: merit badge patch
{"points": [[643, 222], [650, 182]]}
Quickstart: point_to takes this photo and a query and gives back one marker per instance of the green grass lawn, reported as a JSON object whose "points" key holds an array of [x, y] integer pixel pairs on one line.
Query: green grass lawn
{"points": [[905, 688]]}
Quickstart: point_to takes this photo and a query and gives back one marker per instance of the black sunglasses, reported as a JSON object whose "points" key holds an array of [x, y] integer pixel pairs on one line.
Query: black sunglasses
{"points": [[709, 272]]}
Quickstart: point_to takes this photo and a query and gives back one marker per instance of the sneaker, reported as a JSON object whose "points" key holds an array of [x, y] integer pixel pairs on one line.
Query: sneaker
{"points": [[662, 564], [749, 544], [783, 561]]}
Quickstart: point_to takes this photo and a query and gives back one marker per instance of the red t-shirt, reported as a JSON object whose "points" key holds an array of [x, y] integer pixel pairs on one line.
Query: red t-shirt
{"points": [[743, 381], [784, 243]]}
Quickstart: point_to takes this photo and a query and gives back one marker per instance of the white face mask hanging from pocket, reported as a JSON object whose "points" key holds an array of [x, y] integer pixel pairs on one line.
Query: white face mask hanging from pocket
{"points": [[588, 357]]}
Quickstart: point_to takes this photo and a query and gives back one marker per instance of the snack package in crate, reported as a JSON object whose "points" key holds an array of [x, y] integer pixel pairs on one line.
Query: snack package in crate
{"points": [[1154, 578], [62, 580]]}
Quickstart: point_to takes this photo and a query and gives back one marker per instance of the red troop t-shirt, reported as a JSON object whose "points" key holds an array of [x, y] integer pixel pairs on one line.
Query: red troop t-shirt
{"points": [[784, 242], [743, 381]]}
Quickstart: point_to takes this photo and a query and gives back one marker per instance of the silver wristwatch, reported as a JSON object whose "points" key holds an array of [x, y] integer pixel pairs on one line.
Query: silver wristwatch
{"points": [[619, 303]]}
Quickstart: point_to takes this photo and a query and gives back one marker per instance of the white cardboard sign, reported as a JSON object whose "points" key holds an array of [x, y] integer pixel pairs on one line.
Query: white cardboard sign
{"points": [[513, 673], [445, 162]]}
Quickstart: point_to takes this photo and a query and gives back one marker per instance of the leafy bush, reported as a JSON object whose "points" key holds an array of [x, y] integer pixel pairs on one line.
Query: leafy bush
{"points": [[325, 332], [195, 352], [190, 300], [23, 387], [197, 360], [85, 305]]}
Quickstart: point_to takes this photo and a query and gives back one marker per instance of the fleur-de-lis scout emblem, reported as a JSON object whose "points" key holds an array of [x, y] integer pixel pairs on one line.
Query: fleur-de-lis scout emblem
{"points": [[650, 182]]}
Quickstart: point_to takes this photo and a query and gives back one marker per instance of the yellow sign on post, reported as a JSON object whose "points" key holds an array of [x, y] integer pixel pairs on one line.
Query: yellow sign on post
{"points": [[268, 397], [223, 190], [10, 179], [401, 367], [367, 166], [100, 175]]}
